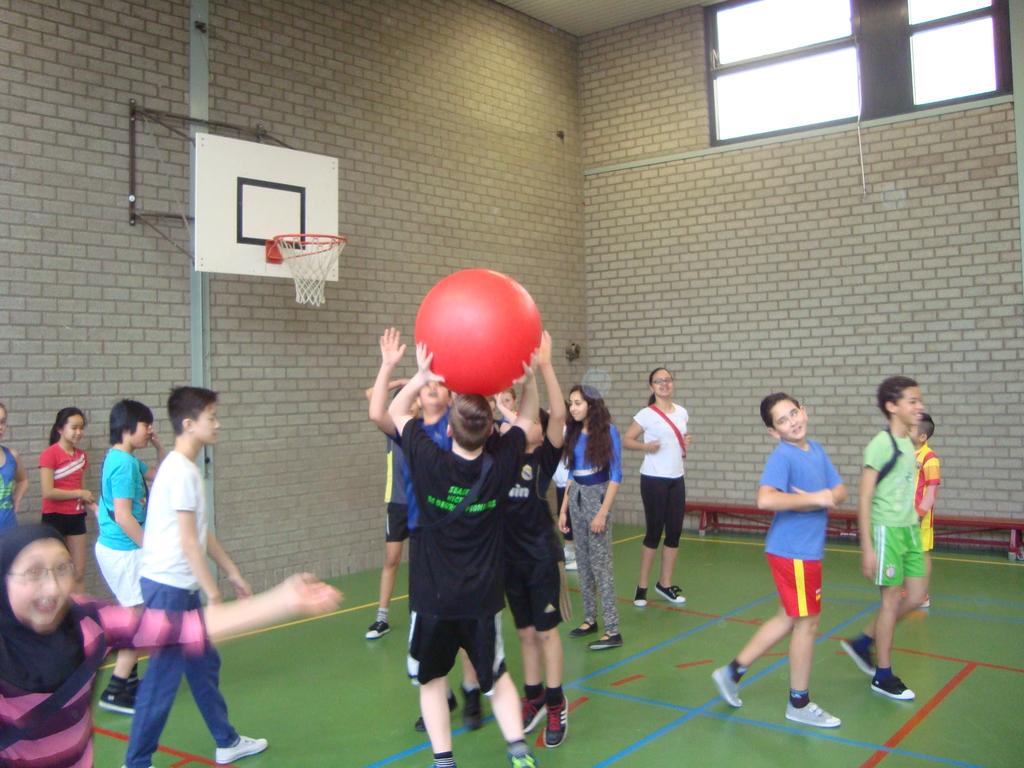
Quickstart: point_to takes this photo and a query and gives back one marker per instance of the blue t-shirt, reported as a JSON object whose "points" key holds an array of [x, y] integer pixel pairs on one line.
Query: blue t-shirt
{"points": [[798, 535], [7, 471], [438, 432], [123, 477], [584, 474]]}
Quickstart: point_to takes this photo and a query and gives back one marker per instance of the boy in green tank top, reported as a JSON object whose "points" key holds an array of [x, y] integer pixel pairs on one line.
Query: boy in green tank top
{"points": [[890, 538]]}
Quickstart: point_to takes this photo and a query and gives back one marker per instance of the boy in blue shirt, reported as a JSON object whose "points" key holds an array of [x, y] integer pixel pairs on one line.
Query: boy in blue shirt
{"points": [[799, 484], [122, 513]]}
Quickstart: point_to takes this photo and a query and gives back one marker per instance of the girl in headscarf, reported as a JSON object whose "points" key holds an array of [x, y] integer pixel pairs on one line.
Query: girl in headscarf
{"points": [[51, 644]]}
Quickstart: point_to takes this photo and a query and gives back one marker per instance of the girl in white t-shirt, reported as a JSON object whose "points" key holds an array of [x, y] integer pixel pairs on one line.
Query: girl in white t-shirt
{"points": [[663, 426]]}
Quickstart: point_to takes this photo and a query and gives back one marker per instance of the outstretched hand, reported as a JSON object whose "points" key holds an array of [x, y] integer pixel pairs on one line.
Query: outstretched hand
{"points": [[391, 347], [543, 353], [306, 595], [423, 361]]}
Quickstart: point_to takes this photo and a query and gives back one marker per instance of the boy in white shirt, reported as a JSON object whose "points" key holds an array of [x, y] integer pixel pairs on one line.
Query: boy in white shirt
{"points": [[175, 547]]}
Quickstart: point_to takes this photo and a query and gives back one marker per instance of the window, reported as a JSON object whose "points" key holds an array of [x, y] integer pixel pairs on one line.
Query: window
{"points": [[780, 65]]}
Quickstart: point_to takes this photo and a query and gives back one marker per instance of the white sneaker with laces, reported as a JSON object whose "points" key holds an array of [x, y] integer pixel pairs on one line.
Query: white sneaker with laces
{"points": [[727, 687], [242, 748], [812, 714]]}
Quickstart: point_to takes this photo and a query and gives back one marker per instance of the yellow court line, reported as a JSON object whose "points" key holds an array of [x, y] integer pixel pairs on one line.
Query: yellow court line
{"points": [[296, 622], [696, 539], [848, 551]]}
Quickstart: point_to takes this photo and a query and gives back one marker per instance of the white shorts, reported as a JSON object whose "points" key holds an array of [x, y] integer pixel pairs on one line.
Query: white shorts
{"points": [[120, 568]]}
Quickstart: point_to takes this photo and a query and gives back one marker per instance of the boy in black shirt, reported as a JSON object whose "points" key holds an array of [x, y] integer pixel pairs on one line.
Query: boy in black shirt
{"points": [[533, 579], [456, 569]]}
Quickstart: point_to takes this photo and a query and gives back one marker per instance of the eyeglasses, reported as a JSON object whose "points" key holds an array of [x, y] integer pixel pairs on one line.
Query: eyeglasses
{"points": [[665, 380], [783, 421], [36, 574]]}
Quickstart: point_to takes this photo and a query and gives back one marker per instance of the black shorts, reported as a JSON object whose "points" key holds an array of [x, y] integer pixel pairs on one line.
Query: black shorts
{"points": [[65, 525], [532, 589], [397, 526], [434, 643]]}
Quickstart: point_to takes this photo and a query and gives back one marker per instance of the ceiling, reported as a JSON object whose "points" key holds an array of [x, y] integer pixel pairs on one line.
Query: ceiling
{"points": [[583, 17]]}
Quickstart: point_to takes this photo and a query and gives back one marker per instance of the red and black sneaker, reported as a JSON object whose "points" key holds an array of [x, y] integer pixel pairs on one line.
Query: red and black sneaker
{"points": [[533, 712], [558, 724]]}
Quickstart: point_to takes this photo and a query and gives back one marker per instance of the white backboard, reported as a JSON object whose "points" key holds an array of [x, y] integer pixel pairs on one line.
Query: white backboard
{"points": [[248, 192]]}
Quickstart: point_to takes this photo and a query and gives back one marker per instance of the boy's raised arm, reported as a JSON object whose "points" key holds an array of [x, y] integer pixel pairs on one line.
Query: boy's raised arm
{"points": [[529, 402], [556, 401], [399, 410], [391, 351]]}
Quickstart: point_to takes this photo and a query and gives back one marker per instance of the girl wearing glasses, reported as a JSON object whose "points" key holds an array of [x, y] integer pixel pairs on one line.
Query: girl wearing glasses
{"points": [[52, 644], [663, 427]]}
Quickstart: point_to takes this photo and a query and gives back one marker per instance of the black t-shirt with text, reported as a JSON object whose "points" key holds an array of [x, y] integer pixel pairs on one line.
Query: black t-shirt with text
{"points": [[456, 566], [529, 527]]}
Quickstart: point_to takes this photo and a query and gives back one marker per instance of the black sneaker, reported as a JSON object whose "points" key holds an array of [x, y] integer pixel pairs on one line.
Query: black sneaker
{"points": [[584, 629], [376, 630], [533, 712], [892, 687], [472, 714], [420, 726], [606, 642], [118, 699], [640, 597], [673, 594], [863, 660], [558, 724]]}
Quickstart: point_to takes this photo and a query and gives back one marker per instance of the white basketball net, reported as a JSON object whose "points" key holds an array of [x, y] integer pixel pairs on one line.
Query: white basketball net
{"points": [[310, 259]]}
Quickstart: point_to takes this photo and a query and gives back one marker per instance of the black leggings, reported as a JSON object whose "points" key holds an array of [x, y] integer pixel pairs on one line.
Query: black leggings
{"points": [[664, 499]]}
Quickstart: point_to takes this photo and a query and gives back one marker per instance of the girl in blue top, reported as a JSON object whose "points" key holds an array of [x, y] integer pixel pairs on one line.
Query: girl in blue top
{"points": [[594, 453], [13, 480]]}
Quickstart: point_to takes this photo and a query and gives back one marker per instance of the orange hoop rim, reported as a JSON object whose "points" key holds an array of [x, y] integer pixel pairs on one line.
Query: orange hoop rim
{"points": [[310, 244]]}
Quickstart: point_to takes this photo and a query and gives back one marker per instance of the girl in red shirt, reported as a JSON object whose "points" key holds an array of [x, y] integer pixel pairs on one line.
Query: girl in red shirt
{"points": [[61, 474]]}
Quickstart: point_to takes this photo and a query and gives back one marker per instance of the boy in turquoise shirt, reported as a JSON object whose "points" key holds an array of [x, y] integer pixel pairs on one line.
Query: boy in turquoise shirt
{"points": [[890, 536], [122, 513]]}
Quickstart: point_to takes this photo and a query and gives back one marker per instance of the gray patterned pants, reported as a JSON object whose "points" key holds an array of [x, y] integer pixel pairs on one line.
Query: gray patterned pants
{"points": [[594, 555]]}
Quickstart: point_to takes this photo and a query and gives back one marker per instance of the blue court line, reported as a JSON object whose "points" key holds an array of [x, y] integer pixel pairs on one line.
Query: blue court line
{"points": [[675, 638], [703, 707], [729, 717], [577, 683]]}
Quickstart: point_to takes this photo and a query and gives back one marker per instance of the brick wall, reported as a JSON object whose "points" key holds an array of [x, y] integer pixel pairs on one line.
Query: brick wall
{"points": [[443, 116], [769, 267]]}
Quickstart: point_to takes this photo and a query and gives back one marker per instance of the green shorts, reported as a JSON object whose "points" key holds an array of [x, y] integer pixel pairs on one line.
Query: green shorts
{"points": [[899, 554]]}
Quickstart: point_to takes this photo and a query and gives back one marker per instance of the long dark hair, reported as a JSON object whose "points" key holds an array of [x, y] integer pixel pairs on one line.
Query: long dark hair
{"points": [[650, 381], [62, 418], [598, 452]]}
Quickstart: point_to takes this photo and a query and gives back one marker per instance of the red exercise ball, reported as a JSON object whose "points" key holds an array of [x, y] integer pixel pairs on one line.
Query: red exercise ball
{"points": [[481, 326]]}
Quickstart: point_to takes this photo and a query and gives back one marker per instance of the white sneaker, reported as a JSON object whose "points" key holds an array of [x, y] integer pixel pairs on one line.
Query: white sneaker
{"points": [[927, 602], [242, 748], [812, 714], [727, 686], [570, 565]]}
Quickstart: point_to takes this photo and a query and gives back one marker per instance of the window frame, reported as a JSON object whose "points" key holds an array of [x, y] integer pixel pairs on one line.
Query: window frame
{"points": [[881, 33]]}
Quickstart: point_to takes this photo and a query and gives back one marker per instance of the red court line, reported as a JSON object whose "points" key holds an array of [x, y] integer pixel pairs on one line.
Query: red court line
{"points": [[539, 742], [940, 657], [629, 679], [920, 715], [187, 757], [686, 664]]}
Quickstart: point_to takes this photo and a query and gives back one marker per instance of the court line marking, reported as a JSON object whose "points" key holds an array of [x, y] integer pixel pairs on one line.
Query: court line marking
{"points": [[852, 550], [186, 757], [578, 682], [780, 727], [919, 716], [659, 732]]}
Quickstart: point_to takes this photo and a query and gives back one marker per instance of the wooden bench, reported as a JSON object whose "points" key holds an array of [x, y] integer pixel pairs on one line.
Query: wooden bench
{"points": [[842, 523]]}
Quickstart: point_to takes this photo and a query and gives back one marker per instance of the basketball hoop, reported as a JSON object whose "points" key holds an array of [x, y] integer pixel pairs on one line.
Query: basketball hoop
{"points": [[309, 259]]}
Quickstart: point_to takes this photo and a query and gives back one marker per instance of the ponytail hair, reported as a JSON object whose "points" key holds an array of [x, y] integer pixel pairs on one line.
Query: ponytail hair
{"points": [[62, 418], [650, 382]]}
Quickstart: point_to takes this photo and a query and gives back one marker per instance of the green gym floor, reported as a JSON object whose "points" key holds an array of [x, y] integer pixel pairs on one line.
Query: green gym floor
{"points": [[324, 696]]}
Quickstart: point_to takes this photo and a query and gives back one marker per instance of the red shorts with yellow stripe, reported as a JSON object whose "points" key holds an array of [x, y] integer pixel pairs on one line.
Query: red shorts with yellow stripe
{"points": [[799, 584]]}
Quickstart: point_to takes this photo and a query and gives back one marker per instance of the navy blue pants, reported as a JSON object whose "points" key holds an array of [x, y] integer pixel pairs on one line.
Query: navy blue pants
{"points": [[163, 675]]}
